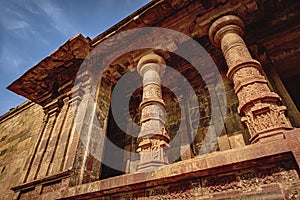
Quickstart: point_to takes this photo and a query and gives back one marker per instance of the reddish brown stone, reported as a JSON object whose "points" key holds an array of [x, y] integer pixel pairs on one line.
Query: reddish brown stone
{"points": [[43, 157]]}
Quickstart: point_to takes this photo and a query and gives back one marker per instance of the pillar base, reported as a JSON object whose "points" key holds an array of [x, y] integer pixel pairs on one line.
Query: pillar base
{"points": [[150, 166], [270, 135], [153, 154]]}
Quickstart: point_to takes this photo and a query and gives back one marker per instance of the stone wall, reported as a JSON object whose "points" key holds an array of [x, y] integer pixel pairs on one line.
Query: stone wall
{"points": [[19, 130]]}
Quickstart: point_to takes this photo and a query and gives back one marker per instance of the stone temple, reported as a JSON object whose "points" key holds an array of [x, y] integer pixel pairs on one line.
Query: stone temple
{"points": [[183, 99]]}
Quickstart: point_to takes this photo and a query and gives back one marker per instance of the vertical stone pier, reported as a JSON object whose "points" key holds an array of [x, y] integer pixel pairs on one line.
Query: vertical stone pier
{"points": [[153, 139], [261, 110]]}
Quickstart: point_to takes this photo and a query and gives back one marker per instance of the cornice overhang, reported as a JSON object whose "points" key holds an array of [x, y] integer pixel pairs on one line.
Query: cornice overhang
{"points": [[54, 74]]}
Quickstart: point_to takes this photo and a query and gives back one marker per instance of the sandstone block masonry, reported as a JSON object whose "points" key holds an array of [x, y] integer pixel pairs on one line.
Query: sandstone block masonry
{"points": [[19, 130]]}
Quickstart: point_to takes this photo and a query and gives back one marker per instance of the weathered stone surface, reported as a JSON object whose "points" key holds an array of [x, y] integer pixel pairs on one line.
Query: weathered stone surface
{"points": [[52, 160], [19, 130], [260, 108], [261, 170], [153, 139]]}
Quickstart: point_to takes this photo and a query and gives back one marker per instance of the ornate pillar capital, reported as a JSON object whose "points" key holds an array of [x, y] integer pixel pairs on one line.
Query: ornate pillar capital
{"points": [[224, 25], [151, 62]]}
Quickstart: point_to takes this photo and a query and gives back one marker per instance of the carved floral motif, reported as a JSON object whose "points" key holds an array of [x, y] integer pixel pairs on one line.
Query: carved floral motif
{"points": [[251, 92], [265, 116], [251, 180], [245, 72], [152, 90]]}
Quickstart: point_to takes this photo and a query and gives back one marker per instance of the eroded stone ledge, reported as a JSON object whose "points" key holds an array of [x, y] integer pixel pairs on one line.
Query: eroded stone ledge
{"points": [[234, 163]]}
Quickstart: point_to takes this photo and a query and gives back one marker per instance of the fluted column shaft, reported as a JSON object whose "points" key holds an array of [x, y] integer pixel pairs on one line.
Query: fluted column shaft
{"points": [[262, 110], [153, 139]]}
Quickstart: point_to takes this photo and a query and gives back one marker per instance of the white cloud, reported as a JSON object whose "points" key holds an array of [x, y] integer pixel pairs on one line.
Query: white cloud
{"points": [[57, 17], [13, 24], [12, 20], [14, 62]]}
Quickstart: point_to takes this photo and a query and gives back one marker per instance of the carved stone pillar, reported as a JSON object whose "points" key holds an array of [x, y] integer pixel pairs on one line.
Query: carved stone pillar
{"points": [[153, 139], [261, 110]]}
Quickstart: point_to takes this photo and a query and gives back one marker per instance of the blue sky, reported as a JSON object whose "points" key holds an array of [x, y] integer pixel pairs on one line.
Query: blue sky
{"points": [[31, 29]]}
